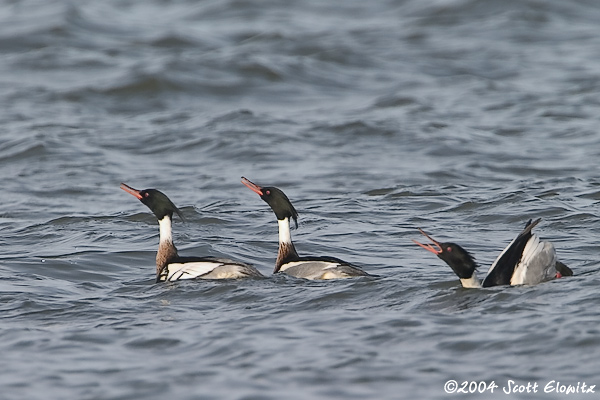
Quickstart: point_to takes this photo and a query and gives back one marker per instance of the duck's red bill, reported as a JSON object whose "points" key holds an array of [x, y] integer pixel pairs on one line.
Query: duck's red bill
{"points": [[252, 186], [131, 191], [435, 247]]}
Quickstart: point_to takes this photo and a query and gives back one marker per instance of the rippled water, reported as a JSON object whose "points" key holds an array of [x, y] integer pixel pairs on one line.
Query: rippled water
{"points": [[464, 118]]}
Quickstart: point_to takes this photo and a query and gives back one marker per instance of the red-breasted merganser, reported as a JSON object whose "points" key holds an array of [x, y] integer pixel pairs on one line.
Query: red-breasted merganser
{"points": [[169, 265], [288, 260], [525, 261]]}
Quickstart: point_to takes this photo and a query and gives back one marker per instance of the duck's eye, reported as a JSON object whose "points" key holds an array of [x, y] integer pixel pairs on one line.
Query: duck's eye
{"points": [[146, 194], [449, 248], [267, 192]]}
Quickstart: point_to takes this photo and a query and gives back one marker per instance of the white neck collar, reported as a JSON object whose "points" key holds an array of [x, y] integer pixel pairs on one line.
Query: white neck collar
{"points": [[165, 229], [284, 230], [471, 282]]}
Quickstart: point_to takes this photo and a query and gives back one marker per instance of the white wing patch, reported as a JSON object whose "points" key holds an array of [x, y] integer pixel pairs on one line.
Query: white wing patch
{"points": [[537, 264], [190, 270]]}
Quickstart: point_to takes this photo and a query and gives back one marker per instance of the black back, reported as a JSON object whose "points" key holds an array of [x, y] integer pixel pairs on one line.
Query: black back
{"points": [[505, 267]]}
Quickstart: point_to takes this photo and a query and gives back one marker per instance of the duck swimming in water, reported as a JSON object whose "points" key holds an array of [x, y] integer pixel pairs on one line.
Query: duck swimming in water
{"points": [[169, 265], [288, 260], [525, 261]]}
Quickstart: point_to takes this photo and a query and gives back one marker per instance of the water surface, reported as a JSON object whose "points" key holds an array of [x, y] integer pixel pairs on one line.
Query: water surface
{"points": [[464, 118]]}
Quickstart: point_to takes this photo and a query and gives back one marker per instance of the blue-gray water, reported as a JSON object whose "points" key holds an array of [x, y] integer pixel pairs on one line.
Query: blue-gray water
{"points": [[464, 118]]}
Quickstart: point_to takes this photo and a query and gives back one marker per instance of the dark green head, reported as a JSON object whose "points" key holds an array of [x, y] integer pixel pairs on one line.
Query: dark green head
{"points": [[155, 200], [276, 199], [461, 261]]}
